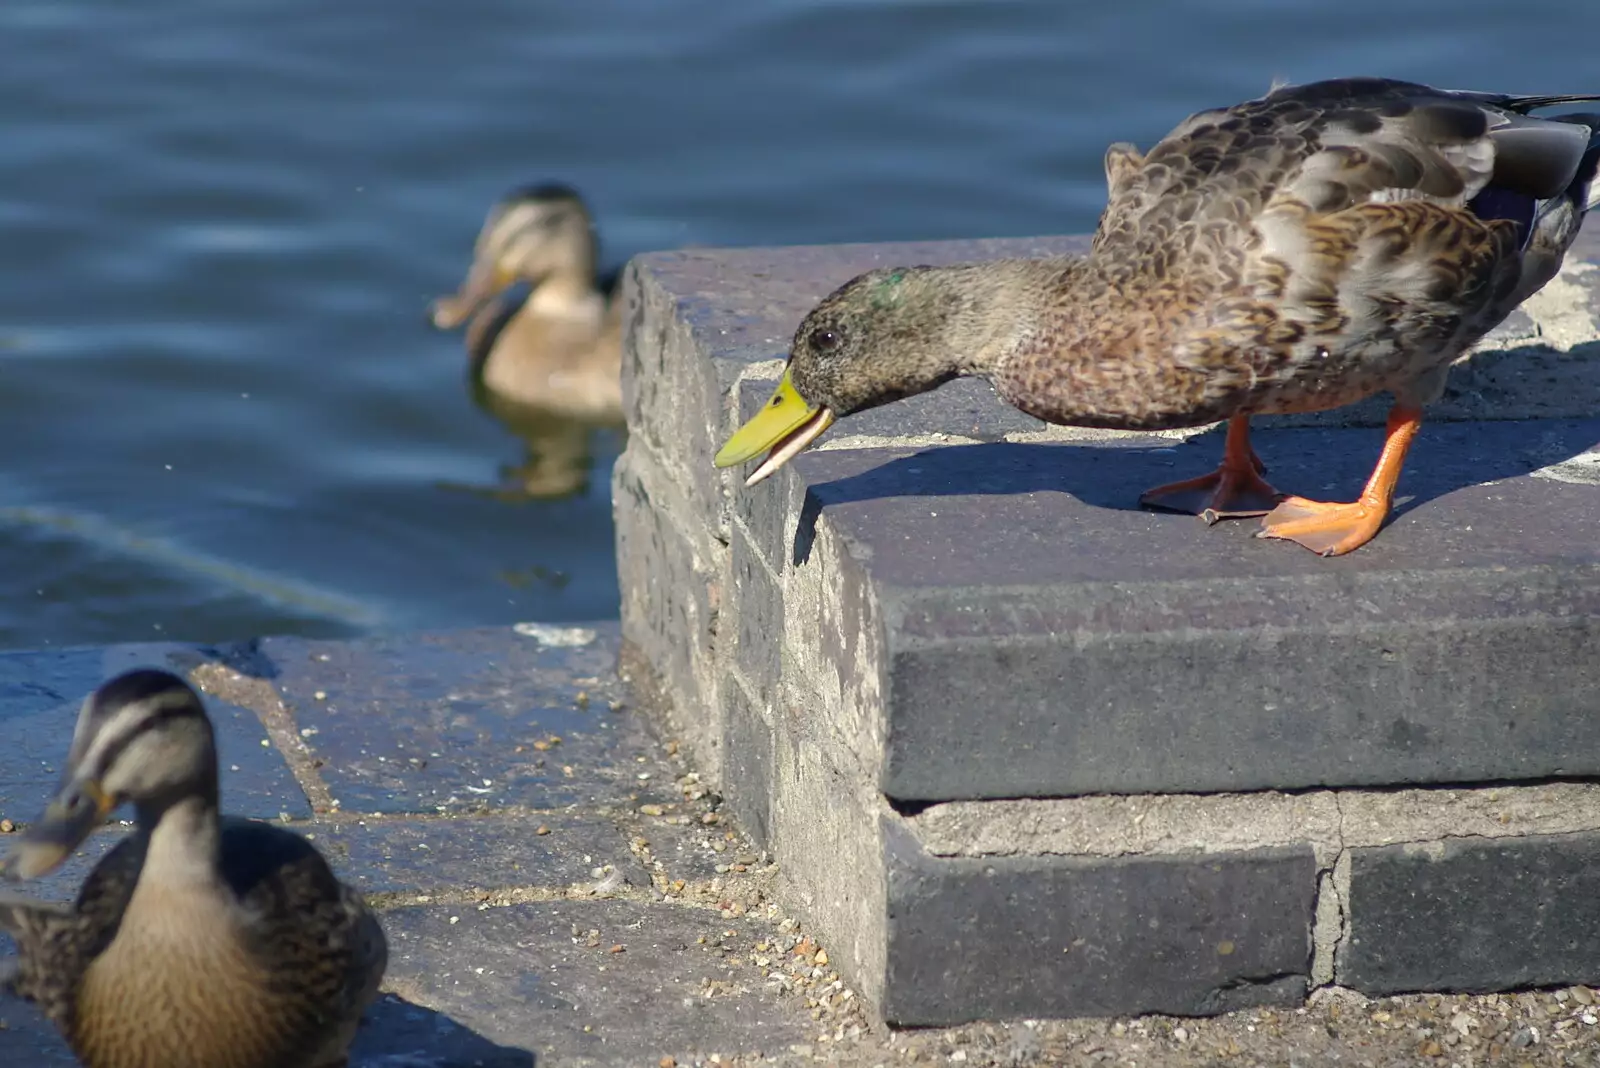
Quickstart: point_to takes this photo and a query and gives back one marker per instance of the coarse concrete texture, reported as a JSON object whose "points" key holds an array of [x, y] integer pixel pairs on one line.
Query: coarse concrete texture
{"points": [[554, 886], [976, 702], [636, 926]]}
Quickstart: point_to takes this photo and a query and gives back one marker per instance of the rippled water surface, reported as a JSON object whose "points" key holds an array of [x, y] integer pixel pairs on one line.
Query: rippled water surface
{"points": [[221, 412]]}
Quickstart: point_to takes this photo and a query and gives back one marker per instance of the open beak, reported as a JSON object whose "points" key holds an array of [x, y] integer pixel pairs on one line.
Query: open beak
{"points": [[483, 283], [786, 424], [47, 843]]}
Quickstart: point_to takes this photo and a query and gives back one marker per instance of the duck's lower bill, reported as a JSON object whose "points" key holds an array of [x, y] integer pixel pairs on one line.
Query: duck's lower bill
{"points": [[783, 427], [47, 843], [484, 282]]}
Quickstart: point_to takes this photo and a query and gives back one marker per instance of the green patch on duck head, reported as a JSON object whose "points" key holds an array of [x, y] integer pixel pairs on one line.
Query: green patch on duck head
{"points": [[887, 292]]}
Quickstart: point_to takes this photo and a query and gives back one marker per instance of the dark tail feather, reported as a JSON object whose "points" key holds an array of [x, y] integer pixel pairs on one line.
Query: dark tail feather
{"points": [[1584, 190], [1524, 104]]}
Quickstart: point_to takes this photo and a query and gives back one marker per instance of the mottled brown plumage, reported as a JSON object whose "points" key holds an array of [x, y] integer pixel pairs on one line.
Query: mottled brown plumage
{"points": [[199, 941], [1289, 254], [560, 350]]}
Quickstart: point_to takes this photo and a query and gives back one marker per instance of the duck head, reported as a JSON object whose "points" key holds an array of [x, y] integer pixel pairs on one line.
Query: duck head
{"points": [[143, 738]]}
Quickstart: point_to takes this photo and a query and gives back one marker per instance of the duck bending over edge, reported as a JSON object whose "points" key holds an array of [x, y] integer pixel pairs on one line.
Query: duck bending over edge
{"points": [[1294, 253], [199, 941]]}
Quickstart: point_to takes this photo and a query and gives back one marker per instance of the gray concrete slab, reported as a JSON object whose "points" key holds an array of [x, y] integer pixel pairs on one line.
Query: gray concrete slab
{"points": [[409, 856], [1014, 937], [591, 982], [41, 692], [1108, 649], [1474, 914], [454, 722]]}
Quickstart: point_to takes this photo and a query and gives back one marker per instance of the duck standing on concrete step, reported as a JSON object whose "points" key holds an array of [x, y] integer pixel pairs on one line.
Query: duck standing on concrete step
{"points": [[198, 941], [561, 349], [1299, 252]]}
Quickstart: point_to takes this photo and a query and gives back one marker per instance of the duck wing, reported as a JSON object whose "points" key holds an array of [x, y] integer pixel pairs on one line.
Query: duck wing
{"points": [[1333, 240]]}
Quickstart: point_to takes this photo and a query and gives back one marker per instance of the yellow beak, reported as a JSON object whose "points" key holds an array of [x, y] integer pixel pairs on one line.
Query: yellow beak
{"points": [[485, 280], [786, 424]]}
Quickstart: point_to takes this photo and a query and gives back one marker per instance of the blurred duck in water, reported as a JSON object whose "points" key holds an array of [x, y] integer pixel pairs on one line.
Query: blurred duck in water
{"points": [[549, 367]]}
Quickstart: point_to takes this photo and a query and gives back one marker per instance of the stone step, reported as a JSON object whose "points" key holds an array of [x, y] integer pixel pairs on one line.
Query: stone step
{"points": [[949, 608], [1015, 626]]}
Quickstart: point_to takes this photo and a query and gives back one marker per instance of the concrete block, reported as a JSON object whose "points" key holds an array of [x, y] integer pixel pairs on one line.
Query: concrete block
{"points": [[1107, 649], [1002, 938], [671, 601], [977, 702], [449, 723], [748, 773], [758, 624], [1474, 914]]}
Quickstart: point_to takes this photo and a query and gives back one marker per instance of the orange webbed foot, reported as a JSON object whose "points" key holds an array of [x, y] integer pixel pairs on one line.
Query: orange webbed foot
{"points": [[1326, 529], [1226, 493], [1336, 529], [1234, 490]]}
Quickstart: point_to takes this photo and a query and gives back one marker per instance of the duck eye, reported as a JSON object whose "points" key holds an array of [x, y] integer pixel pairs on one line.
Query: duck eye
{"points": [[824, 340]]}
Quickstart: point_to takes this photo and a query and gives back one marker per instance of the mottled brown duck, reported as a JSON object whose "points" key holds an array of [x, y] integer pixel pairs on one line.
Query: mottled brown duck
{"points": [[198, 941], [560, 349], [1294, 253]]}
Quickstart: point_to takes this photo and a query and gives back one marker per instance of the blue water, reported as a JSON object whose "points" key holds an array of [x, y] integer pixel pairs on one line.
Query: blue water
{"points": [[221, 411]]}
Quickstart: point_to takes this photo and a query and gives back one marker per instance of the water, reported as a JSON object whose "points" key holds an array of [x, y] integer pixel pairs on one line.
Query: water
{"points": [[221, 412]]}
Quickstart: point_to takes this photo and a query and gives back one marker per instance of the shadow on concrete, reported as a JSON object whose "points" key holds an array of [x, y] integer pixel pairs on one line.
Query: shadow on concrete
{"points": [[394, 1034], [1330, 464], [398, 1034]]}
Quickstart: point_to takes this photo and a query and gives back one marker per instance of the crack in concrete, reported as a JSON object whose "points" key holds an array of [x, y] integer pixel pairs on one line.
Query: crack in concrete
{"points": [[261, 697], [1331, 911]]}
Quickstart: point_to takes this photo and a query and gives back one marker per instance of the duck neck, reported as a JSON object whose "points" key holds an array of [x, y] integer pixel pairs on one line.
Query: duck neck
{"points": [[1005, 313], [185, 839], [566, 295]]}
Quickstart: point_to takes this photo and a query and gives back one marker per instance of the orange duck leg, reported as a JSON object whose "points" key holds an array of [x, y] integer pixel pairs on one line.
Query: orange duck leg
{"points": [[1233, 490], [1335, 529]]}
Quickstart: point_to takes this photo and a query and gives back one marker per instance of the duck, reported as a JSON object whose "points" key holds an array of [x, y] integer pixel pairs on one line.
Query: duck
{"points": [[1297, 252], [560, 350], [199, 940]]}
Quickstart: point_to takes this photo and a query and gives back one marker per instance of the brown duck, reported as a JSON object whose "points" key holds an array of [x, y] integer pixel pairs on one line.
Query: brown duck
{"points": [[1295, 253], [560, 350], [199, 941]]}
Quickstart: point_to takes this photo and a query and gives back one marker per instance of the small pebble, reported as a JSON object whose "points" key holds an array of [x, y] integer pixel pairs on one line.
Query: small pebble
{"points": [[6, 826], [651, 810], [541, 829]]}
